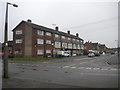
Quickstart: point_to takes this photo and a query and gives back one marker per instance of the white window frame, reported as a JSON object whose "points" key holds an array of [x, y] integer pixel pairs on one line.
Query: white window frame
{"points": [[74, 46], [56, 36], [48, 51], [78, 40], [40, 32], [48, 34], [40, 52], [78, 46], [57, 44], [64, 44], [73, 39], [48, 41], [18, 41], [40, 41], [63, 37], [19, 32], [70, 45], [69, 38]]}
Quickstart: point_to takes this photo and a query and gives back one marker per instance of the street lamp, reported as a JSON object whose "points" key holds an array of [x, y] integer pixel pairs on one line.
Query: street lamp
{"points": [[5, 62]]}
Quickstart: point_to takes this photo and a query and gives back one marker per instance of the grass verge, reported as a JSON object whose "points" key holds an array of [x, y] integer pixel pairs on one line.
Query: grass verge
{"points": [[50, 58]]}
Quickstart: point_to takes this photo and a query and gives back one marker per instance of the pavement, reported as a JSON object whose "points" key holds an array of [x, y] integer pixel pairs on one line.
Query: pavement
{"points": [[72, 72], [0, 74]]}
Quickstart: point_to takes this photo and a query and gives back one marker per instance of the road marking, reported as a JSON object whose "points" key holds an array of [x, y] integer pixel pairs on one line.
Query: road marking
{"points": [[81, 67], [82, 62], [88, 68], [66, 66], [113, 69], [73, 67], [96, 68]]}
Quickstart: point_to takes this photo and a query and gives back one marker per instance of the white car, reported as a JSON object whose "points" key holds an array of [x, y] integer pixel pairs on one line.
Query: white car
{"points": [[91, 55]]}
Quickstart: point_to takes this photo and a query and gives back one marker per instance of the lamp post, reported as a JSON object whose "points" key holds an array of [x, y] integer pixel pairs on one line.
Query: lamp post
{"points": [[5, 62]]}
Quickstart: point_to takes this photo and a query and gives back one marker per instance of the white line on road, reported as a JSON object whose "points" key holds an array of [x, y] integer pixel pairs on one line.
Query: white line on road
{"points": [[104, 69], [96, 68], [81, 67], [88, 68], [66, 66], [113, 69], [73, 67]]}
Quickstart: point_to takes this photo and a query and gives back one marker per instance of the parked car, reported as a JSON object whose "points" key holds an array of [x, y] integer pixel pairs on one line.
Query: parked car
{"points": [[91, 55], [97, 54], [63, 53]]}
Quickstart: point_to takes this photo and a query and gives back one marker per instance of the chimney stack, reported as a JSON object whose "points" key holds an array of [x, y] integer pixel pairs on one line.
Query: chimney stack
{"points": [[29, 20], [68, 32], [77, 34], [56, 28]]}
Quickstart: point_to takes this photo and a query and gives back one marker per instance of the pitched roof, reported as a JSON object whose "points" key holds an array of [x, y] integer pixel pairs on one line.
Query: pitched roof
{"points": [[47, 29]]}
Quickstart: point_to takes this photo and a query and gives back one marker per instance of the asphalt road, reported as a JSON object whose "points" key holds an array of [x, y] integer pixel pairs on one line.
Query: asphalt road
{"points": [[81, 71]]}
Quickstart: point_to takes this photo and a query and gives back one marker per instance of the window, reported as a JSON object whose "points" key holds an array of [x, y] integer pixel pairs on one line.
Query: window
{"points": [[70, 45], [48, 33], [18, 40], [63, 37], [48, 51], [69, 38], [39, 52], [64, 45], [82, 46], [73, 39], [19, 32], [48, 42], [78, 46], [74, 46], [39, 32], [57, 44], [77, 40], [39, 41], [56, 35], [18, 51]]}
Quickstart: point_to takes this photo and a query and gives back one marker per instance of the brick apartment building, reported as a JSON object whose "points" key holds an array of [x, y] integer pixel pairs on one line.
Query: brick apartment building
{"points": [[31, 40]]}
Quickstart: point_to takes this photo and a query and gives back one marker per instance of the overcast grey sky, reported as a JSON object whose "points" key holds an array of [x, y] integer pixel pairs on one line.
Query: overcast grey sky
{"points": [[94, 20]]}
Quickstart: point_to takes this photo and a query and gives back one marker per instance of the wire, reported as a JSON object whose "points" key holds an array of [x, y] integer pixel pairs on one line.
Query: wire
{"points": [[92, 23]]}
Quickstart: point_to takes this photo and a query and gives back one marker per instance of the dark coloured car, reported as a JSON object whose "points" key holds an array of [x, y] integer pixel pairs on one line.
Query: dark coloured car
{"points": [[97, 54]]}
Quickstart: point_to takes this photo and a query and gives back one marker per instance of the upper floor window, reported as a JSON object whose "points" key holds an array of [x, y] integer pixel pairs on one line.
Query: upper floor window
{"points": [[64, 45], [57, 44], [39, 41], [63, 37], [19, 32], [56, 35], [18, 40], [69, 38], [39, 52], [77, 40], [48, 42], [39, 32], [78, 46], [74, 46], [73, 39], [70, 45], [48, 33]]}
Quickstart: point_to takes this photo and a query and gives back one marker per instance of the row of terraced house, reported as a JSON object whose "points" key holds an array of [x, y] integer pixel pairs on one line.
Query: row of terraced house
{"points": [[32, 40]]}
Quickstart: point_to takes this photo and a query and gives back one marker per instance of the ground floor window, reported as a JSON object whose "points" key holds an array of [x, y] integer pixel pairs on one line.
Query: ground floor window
{"points": [[39, 52], [18, 51], [48, 51]]}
